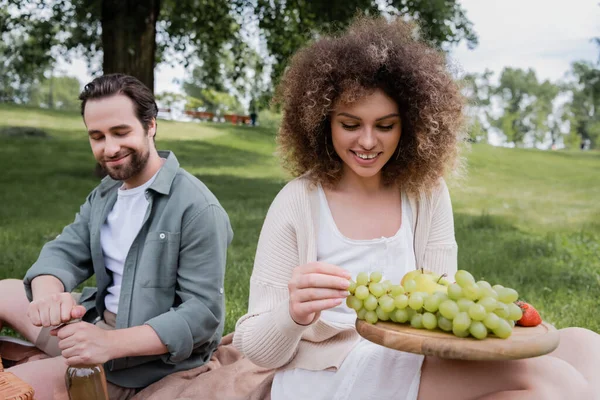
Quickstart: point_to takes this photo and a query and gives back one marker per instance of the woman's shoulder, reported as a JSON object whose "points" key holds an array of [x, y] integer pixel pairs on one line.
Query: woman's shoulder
{"points": [[296, 189]]}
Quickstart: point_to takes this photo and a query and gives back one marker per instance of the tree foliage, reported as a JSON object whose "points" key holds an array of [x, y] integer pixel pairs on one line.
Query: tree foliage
{"points": [[132, 36]]}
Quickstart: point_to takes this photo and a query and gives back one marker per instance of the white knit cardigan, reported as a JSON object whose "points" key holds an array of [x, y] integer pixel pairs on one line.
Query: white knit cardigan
{"points": [[267, 335]]}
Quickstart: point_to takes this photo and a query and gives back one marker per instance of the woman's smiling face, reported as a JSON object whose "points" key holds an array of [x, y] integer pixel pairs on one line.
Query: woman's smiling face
{"points": [[366, 133]]}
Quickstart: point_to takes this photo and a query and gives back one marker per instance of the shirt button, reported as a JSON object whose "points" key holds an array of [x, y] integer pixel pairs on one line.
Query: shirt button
{"points": [[162, 236]]}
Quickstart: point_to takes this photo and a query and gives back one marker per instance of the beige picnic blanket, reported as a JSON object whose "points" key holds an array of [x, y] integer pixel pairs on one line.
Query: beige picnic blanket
{"points": [[227, 376]]}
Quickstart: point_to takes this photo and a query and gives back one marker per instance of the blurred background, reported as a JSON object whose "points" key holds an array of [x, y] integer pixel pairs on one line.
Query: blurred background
{"points": [[527, 211]]}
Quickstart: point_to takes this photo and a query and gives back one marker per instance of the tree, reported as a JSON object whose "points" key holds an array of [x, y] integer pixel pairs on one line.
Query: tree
{"points": [[478, 90], [20, 70], [57, 92], [585, 101], [516, 93], [134, 35]]}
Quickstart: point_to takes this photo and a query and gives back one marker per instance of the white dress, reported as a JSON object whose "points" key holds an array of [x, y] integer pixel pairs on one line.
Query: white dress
{"points": [[369, 371]]}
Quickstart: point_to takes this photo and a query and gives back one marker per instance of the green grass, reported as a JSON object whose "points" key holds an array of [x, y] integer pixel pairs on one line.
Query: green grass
{"points": [[524, 218]]}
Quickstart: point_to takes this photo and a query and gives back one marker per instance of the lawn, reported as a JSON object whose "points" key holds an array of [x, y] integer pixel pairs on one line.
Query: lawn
{"points": [[524, 218]]}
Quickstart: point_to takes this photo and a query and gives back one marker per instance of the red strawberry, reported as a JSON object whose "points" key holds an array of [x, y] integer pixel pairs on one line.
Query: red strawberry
{"points": [[530, 315]]}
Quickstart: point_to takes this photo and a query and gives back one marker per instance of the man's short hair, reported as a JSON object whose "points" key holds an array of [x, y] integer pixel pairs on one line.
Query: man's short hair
{"points": [[113, 84]]}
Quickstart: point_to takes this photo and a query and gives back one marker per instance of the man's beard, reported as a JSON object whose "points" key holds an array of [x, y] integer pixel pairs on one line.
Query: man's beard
{"points": [[137, 163]]}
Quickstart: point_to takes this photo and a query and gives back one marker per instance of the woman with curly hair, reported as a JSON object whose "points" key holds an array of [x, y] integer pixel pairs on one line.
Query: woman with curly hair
{"points": [[372, 121]]}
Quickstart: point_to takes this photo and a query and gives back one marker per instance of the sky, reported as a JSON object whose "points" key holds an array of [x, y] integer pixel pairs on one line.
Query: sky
{"points": [[546, 35]]}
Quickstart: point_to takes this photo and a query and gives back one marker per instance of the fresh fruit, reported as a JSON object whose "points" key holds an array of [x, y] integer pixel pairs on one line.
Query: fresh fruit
{"points": [[425, 300], [429, 321], [375, 277], [410, 285], [426, 281], [455, 292], [370, 303], [352, 287], [449, 309], [464, 278], [530, 315], [376, 289], [478, 330], [401, 301], [416, 321], [361, 292], [362, 278]]}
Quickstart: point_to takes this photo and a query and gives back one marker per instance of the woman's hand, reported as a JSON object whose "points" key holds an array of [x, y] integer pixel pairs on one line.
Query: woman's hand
{"points": [[315, 287]]}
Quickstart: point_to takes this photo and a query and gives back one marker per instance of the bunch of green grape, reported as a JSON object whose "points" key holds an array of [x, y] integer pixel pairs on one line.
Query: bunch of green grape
{"points": [[468, 308]]}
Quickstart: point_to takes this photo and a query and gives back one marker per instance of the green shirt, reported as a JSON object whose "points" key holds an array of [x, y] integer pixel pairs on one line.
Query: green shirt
{"points": [[173, 274]]}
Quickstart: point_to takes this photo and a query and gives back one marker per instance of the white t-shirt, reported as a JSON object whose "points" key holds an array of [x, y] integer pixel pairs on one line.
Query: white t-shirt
{"points": [[370, 371], [118, 233]]}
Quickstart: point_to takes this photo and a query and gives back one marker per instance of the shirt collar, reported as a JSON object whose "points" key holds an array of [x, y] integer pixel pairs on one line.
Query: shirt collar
{"points": [[164, 179]]}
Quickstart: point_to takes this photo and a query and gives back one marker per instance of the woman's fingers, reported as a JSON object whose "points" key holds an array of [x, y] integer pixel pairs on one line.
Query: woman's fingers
{"points": [[305, 295], [325, 269], [302, 310], [316, 280]]}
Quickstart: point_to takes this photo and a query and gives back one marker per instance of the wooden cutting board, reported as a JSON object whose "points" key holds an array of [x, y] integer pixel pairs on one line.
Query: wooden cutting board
{"points": [[523, 343]]}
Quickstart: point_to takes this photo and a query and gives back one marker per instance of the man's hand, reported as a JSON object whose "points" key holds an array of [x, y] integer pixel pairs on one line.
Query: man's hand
{"points": [[84, 344], [54, 309]]}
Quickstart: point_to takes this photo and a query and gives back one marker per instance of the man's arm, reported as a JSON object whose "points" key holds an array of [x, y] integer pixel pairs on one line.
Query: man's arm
{"points": [[200, 279], [66, 258]]}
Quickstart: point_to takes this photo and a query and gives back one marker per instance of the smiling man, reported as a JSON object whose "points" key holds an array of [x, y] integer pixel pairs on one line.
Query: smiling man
{"points": [[156, 240]]}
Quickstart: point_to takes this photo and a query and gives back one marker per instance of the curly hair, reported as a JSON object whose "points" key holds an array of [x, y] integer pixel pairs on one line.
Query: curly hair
{"points": [[372, 54]]}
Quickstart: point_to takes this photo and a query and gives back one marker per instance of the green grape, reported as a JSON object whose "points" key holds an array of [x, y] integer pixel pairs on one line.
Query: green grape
{"points": [[491, 321], [483, 284], [410, 285], [361, 313], [432, 303], [503, 330], [370, 303], [393, 317], [401, 301], [362, 278], [508, 295], [429, 321], [382, 315], [422, 294], [444, 323], [489, 292], [352, 287], [511, 323], [455, 292], [488, 303], [462, 321], [442, 296], [459, 333], [497, 287], [396, 290], [464, 304], [387, 285], [376, 289], [514, 312], [415, 302], [471, 292], [416, 321], [361, 292], [386, 303], [477, 312], [375, 276], [501, 310], [449, 309], [354, 303], [371, 317], [464, 278], [478, 330], [402, 315]]}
